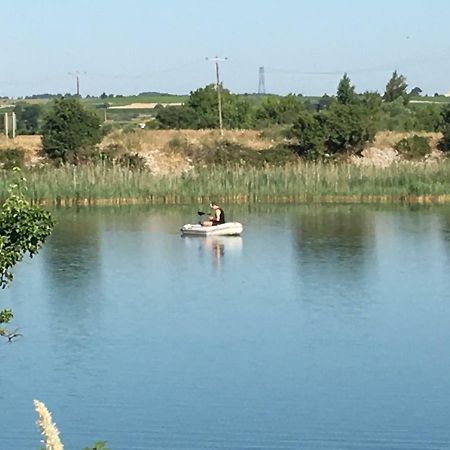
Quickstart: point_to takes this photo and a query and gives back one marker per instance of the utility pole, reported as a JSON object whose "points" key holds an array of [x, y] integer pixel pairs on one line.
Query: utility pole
{"points": [[77, 74], [261, 82], [14, 125], [6, 126], [216, 61]]}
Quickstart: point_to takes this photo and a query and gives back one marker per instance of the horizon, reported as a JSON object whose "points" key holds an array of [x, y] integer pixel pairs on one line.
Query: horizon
{"points": [[42, 95], [161, 46]]}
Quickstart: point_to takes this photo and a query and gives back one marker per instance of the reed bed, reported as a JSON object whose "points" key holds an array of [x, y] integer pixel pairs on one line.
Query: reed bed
{"points": [[299, 182]]}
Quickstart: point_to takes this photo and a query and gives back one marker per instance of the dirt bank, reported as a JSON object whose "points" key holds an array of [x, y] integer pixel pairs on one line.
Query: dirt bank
{"points": [[156, 146]]}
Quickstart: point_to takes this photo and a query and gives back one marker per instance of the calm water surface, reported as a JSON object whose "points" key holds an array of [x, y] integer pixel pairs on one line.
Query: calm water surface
{"points": [[323, 327]]}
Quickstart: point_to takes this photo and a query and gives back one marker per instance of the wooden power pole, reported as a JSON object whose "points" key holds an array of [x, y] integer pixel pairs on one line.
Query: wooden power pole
{"points": [[216, 61]]}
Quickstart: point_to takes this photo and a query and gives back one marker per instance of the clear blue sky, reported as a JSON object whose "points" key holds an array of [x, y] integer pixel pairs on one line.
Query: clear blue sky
{"points": [[160, 45]]}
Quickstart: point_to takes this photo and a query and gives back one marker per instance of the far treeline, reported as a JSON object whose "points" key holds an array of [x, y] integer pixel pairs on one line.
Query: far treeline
{"points": [[84, 162], [338, 124], [332, 125]]}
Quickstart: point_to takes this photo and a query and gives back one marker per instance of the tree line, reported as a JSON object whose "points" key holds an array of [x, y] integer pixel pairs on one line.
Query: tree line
{"points": [[342, 123]]}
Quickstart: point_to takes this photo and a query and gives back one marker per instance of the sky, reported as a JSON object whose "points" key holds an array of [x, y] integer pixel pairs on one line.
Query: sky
{"points": [[133, 46]]}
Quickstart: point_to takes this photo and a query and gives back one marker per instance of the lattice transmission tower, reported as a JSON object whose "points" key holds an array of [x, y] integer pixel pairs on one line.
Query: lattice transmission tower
{"points": [[261, 82]]}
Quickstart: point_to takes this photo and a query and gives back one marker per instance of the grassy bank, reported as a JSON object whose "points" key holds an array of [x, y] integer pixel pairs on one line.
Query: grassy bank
{"points": [[299, 182]]}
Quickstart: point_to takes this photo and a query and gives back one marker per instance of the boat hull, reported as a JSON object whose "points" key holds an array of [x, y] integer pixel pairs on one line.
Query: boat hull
{"points": [[225, 229]]}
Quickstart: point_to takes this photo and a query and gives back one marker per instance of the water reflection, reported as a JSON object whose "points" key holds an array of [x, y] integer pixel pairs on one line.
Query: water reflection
{"points": [[332, 233], [72, 263], [72, 255], [335, 252], [216, 246]]}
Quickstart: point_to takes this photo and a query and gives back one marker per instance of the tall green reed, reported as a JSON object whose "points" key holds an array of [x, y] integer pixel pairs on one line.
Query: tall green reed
{"points": [[302, 181]]}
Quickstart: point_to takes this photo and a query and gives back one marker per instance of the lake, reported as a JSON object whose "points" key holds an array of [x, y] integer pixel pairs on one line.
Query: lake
{"points": [[322, 327]]}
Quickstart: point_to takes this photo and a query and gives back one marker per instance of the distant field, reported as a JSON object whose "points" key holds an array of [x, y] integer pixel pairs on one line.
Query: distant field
{"points": [[120, 101], [430, 99]]}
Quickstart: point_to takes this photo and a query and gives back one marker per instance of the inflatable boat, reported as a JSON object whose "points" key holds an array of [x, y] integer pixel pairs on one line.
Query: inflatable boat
{"points": [[225, 229]]}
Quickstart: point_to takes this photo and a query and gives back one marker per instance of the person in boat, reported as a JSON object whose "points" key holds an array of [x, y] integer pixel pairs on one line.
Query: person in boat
{"points": [[217, 217]]}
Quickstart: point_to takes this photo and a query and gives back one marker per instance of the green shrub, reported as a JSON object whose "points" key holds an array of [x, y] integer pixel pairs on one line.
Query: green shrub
{"points": [[395, 116], [428, 117], [178, 144], [275, 133], [12, 157], [99, 445], [176, 117], [152, 124], [131, 160], [413, 147], [116, 154], [107, 128], [444, 143], [70, 132], [228, 153], [130, 128], [339, 129]]}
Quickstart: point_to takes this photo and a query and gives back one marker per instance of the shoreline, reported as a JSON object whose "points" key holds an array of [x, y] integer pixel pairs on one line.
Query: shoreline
{"points": [[249, 199]]}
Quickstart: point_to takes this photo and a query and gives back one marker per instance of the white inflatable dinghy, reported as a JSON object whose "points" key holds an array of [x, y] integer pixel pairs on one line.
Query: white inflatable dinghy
{"points": [[224, 229]]}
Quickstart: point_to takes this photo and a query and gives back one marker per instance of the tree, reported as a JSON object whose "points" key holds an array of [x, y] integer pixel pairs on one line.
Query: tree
{"points": [[204, 102], [23, 229], [396, 88], [444, 143], [280, 111], [415, 92], [342, 128], [176, 117], [324, 102], [346, 92], [347, 128], [27, 117], [429, 118], [70, 132], [310, 135], [235, 111]]}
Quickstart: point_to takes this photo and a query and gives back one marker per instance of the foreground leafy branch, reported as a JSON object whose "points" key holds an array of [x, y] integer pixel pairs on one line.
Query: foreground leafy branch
{"points": [[23, 230]]}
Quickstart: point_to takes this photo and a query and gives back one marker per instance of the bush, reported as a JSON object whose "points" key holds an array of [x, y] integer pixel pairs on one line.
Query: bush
{"points": [[107, 128], [99, 445], [395, 116], [202, 106], [133, 161], [342, 128], [176, 117], [278, 111], [70, 132], [152, 124], [444, 143], [28, 118], [275, 133], [116, 154], [224, 152], [428, 118], [413, 147], [12, 157]]}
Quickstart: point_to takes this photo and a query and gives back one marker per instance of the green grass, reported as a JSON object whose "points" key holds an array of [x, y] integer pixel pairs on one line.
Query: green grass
{"points": [[304, 181]]}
